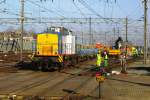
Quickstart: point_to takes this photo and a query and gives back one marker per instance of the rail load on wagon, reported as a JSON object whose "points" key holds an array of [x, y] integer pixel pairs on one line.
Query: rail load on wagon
{"points": [[115, 50], [57, 47], [123, 47]]}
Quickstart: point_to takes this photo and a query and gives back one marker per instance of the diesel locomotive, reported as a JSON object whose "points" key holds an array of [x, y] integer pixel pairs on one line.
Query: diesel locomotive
{"points": [[57, 47]]}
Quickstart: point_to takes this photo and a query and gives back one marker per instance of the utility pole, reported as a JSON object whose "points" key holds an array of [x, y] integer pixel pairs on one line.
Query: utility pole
{"points": [[82, 37], [118, 32], [21, 28], [82, 31], [105, 38], [90, 28], [126, 29], [145, 31], [114, 30], [126, 35]]}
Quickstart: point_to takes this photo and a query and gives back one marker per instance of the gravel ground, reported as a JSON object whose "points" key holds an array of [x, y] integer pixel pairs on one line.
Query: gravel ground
{"points": [[70, 82]]}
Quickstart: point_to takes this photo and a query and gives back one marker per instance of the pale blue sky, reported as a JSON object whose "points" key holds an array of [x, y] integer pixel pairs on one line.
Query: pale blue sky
{"points": [[122, 8], [133, 9]]}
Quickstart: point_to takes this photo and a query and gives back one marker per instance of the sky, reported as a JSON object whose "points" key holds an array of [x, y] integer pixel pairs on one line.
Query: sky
{"points": [[68, 8], [40, 9]]}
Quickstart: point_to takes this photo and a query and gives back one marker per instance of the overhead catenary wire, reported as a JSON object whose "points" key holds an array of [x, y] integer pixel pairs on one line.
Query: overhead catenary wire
{"points": [[9, 12], [120, 8], [112, 10], [104, 9], [56, 9], [44, 9], [3, 1], [94, 12], [89, 8], [79, 9], [78, 6], [49, 10], [53, 5]]}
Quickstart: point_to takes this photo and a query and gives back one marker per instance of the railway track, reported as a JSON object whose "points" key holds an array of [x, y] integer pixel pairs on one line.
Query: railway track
{"points": [[8, 61], [112, 64], [7, 67], [69, 83], [26, 88]]}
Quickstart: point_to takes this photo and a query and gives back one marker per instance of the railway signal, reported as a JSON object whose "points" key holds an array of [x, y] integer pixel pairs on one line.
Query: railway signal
{"points": [[100, 79]]}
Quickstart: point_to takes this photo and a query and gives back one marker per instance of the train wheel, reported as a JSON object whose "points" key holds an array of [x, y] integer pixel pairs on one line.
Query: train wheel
{"points": [[65, 64], [73, 62], [60, 66], [39, 68], [46, 66]]}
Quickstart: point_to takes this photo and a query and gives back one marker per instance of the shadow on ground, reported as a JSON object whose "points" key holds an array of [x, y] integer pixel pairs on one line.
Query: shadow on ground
{"points": [[138, 83], [29, 66], [141, 68], [74, 95]]}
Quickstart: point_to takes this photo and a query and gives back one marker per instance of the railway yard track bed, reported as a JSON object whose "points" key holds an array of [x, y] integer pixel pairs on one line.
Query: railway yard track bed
{"points": [[78, 81]]}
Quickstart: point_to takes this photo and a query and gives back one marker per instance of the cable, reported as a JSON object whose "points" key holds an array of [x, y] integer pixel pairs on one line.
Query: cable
{"points": [[57, 10], [100, 1], [45, 8], [124, 12], [8, 12], [112, 10], [93, 11], [79, 9], [135, 11], [4, 1], [89, 8], [104, 9]]}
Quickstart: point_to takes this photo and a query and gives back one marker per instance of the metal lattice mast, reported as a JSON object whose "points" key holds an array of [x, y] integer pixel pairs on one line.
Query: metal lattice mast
{"points": [[145, 31], [21, 29]]}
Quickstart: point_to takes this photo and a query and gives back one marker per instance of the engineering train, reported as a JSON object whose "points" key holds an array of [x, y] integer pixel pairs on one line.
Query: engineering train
{"points": [[121, 47], [57, 48]]}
